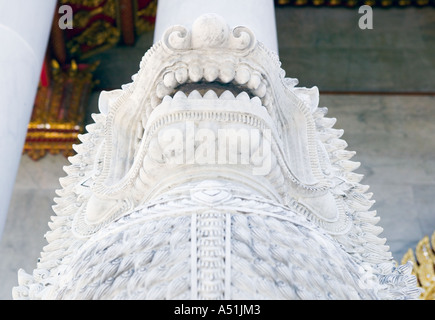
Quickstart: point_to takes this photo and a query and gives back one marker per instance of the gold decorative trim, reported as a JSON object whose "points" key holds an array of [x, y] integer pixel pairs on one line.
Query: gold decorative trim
{"points": [[59, 111], [144, 18], [96, 27], [423, 259]]}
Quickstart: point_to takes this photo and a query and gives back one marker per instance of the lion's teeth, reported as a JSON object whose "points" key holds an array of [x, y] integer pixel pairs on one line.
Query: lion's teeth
{"points": [[210, 94], [181, 75], [242, 75], [256, 101], [162, 90], [243, 96], [227, 74], [194, 95], [195, 72], [169, 80], [167, 99], [227, 95], [254, 82], [180, 95], [211, 72], [261, 90]]}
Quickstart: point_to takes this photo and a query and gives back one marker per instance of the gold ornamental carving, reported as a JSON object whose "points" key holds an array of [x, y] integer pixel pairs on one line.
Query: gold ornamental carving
{"points": [[59, 111], [423, 259]]}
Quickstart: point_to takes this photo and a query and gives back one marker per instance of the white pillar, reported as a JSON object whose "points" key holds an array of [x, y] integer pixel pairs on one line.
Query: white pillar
{"points": [[258, 15], [24, 30]]}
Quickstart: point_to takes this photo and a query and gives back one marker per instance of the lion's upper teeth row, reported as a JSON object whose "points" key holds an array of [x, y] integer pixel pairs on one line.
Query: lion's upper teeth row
{"points": [[241, 75]]}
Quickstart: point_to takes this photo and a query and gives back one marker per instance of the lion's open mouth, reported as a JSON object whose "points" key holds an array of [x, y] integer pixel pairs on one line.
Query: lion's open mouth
{"points": [[202, 126], [186, 82], [190, 76]]}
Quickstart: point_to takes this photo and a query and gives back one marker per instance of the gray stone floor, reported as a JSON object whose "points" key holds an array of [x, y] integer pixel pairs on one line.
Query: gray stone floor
{"points": [[324, 47], [391, 133]]}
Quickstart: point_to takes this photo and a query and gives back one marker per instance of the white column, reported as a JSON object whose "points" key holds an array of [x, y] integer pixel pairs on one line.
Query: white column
{"points": [[24, 30], [258, 15]]}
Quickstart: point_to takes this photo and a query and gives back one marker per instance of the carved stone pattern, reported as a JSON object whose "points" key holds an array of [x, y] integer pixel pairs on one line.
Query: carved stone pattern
{"points": [[131, 223]]}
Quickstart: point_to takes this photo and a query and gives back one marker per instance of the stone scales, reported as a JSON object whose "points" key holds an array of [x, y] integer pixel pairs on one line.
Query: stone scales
{"points": [[213, 176]]}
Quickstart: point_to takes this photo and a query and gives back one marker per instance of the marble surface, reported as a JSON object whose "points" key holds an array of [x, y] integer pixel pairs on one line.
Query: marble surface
{"points": [[390, 133]]}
